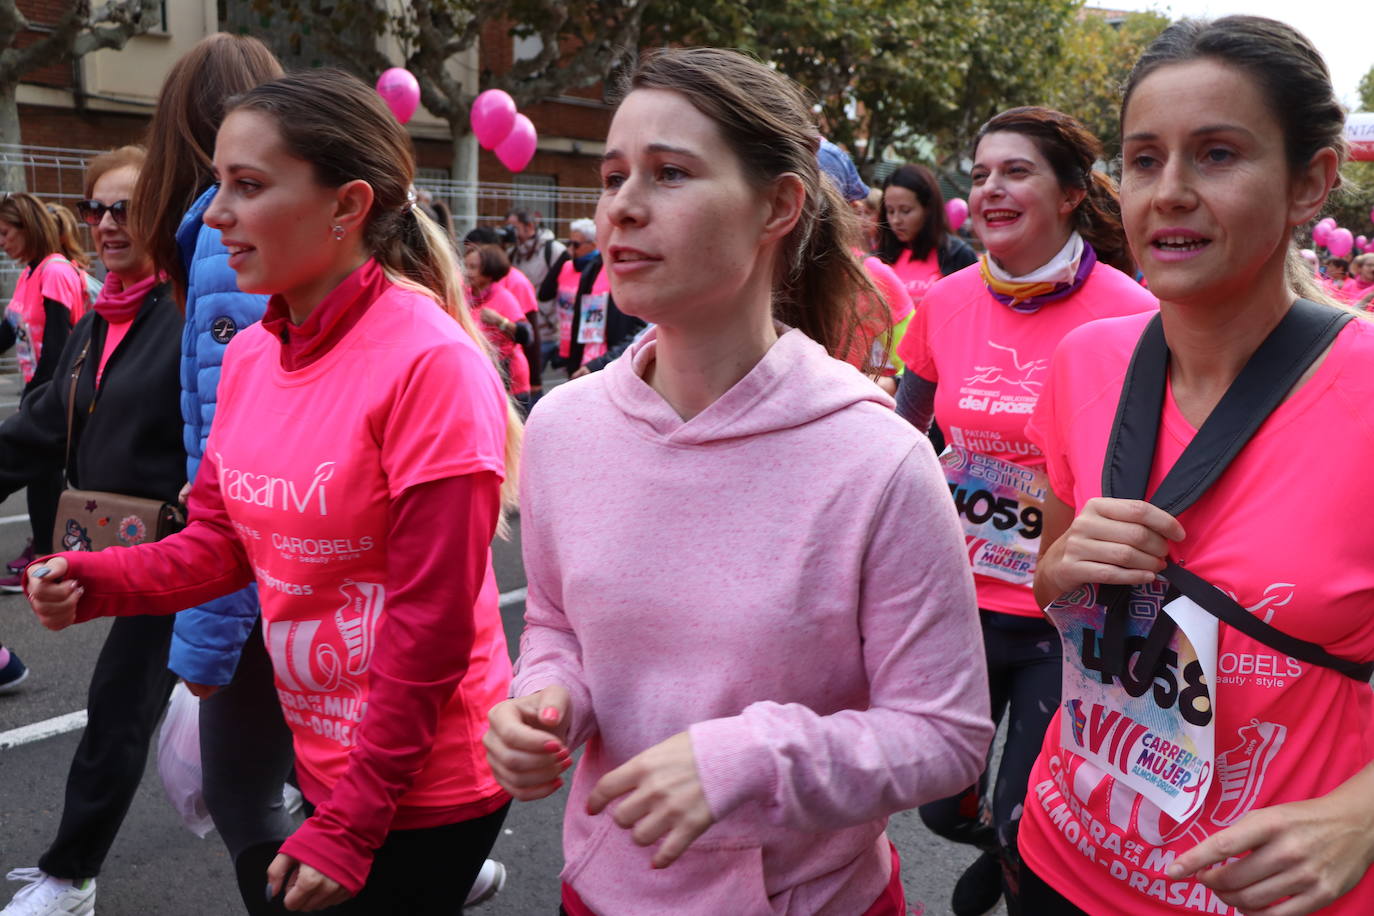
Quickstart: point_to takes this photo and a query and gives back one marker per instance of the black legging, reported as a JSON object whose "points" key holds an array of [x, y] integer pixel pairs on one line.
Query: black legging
{"points": [[1023, 656], [128, 694], [1039, 899], [425, 872]]}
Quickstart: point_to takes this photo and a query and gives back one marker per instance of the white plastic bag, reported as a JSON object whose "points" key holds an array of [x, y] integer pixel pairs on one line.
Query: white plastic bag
{"points": [[178, 761]]}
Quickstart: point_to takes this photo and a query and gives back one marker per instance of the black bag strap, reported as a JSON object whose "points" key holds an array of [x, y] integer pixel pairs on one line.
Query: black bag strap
{"points": [[71, 411], [1303, 334]]}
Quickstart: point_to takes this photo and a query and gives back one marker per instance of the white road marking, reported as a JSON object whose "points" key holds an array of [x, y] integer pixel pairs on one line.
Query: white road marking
{"points": [[48, 728], [11, 519], [72, 721]]}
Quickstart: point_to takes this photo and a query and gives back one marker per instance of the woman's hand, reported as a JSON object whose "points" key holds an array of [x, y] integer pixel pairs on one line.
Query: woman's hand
{"points": [[581, 371], [306, 888], [1310, 852], [201, 691], [663, 798], [526, 744], [493, 318], [1111, 542], [52, 597]]}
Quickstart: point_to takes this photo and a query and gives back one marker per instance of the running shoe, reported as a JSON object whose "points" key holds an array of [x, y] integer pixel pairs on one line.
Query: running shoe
{"points": [[13, 583], [1240, 770], [489, 882], [12, 670], [19, 563], [44, 895]]}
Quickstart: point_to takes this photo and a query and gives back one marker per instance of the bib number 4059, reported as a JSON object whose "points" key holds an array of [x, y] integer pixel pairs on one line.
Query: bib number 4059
{"points": [[980, 507]]}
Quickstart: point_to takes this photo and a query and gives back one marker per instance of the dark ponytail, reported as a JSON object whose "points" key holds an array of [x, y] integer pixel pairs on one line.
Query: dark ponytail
{"points": [[1072, 150]]}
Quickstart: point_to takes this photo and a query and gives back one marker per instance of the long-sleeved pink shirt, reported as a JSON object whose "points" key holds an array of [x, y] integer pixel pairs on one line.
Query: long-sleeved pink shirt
{"points": [[782, 577]]}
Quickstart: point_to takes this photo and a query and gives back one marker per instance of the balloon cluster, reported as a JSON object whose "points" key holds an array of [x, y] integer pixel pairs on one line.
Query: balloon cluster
{"points": [[501, 129]]}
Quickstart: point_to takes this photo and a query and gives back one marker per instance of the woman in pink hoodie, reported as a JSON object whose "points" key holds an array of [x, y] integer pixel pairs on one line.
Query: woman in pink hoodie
{"points": [[760, 664]]}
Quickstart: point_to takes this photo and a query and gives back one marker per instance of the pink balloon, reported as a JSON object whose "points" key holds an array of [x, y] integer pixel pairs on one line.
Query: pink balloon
{"points": [[516, 151], [1320, 234], [1360, 242], [1329, 222], [492, 116], [956, 211], [1339, 242], [401, 92]]}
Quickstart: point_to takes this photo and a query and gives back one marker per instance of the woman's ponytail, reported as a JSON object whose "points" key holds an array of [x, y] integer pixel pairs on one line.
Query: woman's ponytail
{"points": [[1098, 219]]}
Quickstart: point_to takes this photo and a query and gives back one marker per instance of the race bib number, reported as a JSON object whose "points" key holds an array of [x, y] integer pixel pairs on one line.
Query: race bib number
{"points": [[593, 327], [1001, 506], [565, 323], [1152, 730]]}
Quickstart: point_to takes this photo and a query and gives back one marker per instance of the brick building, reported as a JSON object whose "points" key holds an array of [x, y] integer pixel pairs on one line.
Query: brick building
{"points": [[107, 98]]}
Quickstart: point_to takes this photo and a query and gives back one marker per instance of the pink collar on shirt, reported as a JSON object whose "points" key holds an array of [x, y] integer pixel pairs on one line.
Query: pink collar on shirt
{"points": [[305, 343]]}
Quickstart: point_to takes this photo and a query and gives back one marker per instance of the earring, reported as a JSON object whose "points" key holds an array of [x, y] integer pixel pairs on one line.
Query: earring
{"points": [[338, 233]]}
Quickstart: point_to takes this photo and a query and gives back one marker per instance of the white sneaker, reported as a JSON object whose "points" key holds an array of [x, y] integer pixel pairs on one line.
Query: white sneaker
{"points": [[45, 895], [489, 882]]}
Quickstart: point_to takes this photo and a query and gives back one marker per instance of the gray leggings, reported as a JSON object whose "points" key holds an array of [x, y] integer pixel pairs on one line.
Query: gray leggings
{"points": [[246, 755]]}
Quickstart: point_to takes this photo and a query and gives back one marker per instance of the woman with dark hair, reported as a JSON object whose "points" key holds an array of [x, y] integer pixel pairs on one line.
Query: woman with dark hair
{"points": [[217, 647], [976, 358], [501, 318], [719, 776], [49, 298], [355, 472], [120, 364], [912, 235], [1212, 752]]}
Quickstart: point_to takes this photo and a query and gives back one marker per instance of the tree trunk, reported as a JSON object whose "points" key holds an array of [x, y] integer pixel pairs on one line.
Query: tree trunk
{"points": [[465, 170], [11, 168]]}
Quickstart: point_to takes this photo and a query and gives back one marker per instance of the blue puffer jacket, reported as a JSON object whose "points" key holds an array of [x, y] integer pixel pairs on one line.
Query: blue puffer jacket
{"points": [[207, 640]]}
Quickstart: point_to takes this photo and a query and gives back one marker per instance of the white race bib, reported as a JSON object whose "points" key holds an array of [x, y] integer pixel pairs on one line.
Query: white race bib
{"points": [[1153, 731], [1001, 506]]}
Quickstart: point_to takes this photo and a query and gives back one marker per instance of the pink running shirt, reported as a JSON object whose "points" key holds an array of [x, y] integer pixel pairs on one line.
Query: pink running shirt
{"points": [[518, 285], [409, 398], [54, 278], [989, 363], [511, 354], [917, 276], [1270, 531]]}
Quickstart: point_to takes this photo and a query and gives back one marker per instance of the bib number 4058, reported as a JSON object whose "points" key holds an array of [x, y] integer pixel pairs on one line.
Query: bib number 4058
{"points": [[1191, 696]]}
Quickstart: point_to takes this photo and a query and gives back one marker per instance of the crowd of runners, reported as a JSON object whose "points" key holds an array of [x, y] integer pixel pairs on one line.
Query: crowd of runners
{"points": [[834, 489]]}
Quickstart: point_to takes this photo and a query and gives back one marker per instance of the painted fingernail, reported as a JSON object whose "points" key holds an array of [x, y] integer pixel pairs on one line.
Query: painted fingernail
{"points": [[552, 746], [270, 895], [549, 714], [564, 764], [40, 573]]}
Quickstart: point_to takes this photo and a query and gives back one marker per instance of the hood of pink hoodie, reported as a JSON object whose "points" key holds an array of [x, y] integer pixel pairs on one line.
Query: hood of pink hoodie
{"points": [[795, 383]]}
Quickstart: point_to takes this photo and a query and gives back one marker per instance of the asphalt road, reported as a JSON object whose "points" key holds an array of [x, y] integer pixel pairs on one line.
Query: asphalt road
{"points": [[158, 867]]}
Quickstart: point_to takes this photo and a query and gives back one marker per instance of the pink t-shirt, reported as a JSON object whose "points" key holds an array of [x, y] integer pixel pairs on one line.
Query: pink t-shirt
{"points": [[592, 315], [409, 399], [989, 363], [512, 356], [54, 278], [518, 285], [568, 278], [917, 276], [1281, 529]]}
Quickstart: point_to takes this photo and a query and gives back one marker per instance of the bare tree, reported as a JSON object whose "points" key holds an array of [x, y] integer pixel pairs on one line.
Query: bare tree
{"points": [[74, 35]]}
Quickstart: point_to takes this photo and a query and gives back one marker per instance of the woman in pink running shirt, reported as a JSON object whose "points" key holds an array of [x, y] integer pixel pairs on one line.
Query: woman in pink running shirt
{"points": [[354, 472], [976, 356], [761, 669], [1235, 773]]}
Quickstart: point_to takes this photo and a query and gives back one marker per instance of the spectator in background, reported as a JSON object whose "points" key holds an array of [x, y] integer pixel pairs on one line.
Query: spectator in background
{"points": [[535, 253], [560, 288], [49, 297]]}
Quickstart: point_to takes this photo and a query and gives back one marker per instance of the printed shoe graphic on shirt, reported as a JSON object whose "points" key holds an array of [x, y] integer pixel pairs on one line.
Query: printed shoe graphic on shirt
{"points": [[1240, 770], [357, 620], [1079, 720]]}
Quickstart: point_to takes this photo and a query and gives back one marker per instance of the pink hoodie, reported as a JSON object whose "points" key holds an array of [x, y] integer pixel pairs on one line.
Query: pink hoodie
{"points": [[783, 576]]}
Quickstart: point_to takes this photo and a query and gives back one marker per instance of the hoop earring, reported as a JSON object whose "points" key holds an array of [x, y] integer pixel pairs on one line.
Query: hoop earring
{"points": [[338, 233]]}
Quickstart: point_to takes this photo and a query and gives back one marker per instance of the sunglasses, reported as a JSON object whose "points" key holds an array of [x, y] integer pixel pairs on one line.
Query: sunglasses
{"points": [[93, 211]]}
